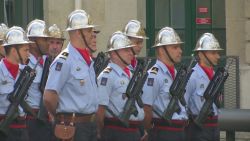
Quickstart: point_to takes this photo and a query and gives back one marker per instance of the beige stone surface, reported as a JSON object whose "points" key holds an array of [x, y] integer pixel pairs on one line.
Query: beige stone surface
{"points": [[247, 53], [235, 28], [247, 9], [237, 36], [247, 30], [244, 87]]}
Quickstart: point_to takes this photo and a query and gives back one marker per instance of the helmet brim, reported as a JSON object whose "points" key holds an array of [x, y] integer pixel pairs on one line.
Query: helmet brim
{"points": [[80, 27], [21, 43], [159, 44], [37, 36], [220, 49], [130, 46], [140, 37]]}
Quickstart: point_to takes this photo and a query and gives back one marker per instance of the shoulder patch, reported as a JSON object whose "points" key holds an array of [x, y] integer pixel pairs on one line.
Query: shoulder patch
{"points": [[154, 70], [64, 55], [58, 66], [150, 82], [104, 81], [107, 70]]}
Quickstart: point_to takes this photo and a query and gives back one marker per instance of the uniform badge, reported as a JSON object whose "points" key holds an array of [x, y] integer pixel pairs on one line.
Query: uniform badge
{"points": [[202, 86], [154, 70], [107, 70], [104, 81], [122, 82], [150, 82], [78, 69], [82, 82], [64, 55], [58, 66], [4, 82], [165, 80]]}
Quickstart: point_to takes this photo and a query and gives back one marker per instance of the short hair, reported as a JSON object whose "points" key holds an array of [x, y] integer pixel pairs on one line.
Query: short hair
{"points": [[8, 48]]}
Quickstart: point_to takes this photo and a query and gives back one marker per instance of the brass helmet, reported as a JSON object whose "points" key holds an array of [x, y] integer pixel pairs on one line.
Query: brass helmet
{"points": [[16, 36], [207, 42], [79, 19], [118, 40], [3, 30], [135, 29], [167, 36], [37, 28], [55, 32]]}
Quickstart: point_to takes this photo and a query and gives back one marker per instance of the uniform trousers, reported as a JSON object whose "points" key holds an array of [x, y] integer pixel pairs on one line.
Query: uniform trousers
{"points": [[17, 132], [39, 130], [195, 133]]}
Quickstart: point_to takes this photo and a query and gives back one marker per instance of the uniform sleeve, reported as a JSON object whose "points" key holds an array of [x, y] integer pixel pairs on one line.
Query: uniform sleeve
{"points": [[190, 87], [104, 88], [58, 75], [150, 90]]}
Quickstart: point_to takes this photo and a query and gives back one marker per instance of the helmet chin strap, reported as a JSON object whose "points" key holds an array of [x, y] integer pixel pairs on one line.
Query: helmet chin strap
{"points": [[39, 49], [133, 51], [85, 41], [209, 61], [123, 61], [170, 58]]}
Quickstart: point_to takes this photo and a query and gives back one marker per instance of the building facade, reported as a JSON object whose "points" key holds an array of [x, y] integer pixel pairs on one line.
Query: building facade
{"points": [[227, 19]]}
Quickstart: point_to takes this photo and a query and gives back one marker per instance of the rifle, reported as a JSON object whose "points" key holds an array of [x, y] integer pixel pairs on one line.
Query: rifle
{"points": [[42, 114], [211, 93], [134, 91], [17, 97], [177, 91], [100, 63]]}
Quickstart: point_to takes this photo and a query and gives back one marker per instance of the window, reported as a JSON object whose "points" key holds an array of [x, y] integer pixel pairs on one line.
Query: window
{"points": [[190, 19]]}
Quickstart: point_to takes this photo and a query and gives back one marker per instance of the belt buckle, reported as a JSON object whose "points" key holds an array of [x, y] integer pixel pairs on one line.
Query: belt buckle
{"points": [[93, 118], [72, 120]]}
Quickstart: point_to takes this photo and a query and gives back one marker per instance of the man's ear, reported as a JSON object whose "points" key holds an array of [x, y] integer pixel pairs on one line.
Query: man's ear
{"points": [[13, 50]]}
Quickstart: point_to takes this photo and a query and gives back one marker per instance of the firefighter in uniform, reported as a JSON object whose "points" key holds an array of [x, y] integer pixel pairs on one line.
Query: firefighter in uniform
{"points": [[71, 90], [16, 46], [207, 50], [113, 82], [93, 47], [156, 89], [55, 40], [39, 127], [3, 30], [135, 32]]}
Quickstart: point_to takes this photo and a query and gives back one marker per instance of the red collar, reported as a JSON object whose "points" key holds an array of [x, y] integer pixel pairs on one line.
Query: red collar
{"points": [[209, 71], [12, 68], [171, 70], [133, 62], [127, 71], [41, 61], [85, 54]]}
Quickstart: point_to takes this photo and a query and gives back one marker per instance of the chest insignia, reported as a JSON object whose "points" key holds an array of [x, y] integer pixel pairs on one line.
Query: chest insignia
{"points": [[82, 82], [165, 80], [122, 82], [78, 69]]}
